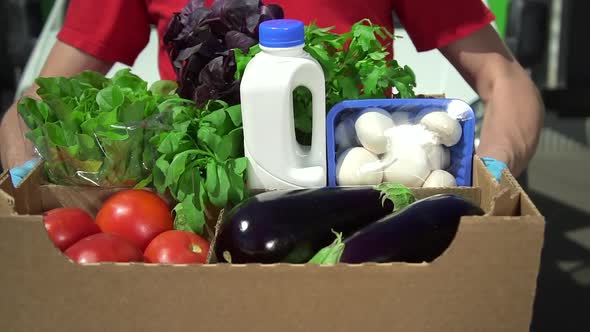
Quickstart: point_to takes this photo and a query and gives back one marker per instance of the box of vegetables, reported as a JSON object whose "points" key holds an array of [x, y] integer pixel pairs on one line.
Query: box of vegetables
{"points": [[139, 217]]}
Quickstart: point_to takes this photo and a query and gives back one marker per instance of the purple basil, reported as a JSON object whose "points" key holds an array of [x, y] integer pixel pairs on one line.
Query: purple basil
{"points": [[201, 40]]}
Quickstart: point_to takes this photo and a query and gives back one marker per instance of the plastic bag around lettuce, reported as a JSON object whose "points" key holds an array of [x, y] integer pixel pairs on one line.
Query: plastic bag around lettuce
{"points": [[95, 131]]}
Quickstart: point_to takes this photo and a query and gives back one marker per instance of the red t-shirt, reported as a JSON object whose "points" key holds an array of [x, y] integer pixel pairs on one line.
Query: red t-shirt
{"points": [[118, 30]]}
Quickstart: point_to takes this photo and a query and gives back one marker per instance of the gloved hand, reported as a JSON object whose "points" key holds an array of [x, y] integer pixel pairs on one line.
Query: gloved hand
{"points": [[495, 167], [17, 174]]}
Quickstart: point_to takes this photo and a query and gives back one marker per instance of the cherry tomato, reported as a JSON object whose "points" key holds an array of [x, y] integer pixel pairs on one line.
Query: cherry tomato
{"points": [[104, 247], [177, 247], [137, 215], [67, 226]]}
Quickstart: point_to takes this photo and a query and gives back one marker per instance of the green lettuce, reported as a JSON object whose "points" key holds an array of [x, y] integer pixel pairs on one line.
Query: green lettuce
{"points": [[92, 130]]}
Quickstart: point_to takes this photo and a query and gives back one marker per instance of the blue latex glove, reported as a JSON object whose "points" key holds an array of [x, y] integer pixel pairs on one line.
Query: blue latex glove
{"points": [[17, 174], [495, 167]]}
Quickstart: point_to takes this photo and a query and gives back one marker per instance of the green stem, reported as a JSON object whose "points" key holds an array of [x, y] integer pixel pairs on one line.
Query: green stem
{"points": [[204, 153], [196, 249]]}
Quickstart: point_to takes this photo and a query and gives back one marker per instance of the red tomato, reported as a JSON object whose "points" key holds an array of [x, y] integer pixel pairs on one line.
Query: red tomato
{"points": [[104, 247], [177, 247], [137, 215], [67, 226]]}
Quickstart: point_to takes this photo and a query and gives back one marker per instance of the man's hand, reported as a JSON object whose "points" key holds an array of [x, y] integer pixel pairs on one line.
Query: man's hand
{"points": [[514, 110], [63, 60], [15, 148]]}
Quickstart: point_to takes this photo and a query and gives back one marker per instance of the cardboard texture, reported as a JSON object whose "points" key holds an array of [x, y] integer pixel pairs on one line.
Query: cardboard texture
{"points": [[485, 281]]}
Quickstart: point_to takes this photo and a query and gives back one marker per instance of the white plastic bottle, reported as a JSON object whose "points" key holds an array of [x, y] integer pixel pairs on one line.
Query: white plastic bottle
{"points": [[276, 160]]}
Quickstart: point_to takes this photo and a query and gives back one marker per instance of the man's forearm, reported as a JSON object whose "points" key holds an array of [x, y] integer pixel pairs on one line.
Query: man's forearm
{"points": [[514, 110], [513, 120], [15, 148]]}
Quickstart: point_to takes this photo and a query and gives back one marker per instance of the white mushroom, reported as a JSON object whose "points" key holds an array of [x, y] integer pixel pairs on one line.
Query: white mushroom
{"points": [[408, 165], [440, 179], [402, 136], [439, 157], [448, 129], [344, 134], [401, 118], [358, 166], [370, 126]]}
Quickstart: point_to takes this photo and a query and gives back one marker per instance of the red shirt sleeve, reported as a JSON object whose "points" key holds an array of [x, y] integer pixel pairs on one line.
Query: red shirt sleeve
{"points": [[435, 23], [111, 30]]}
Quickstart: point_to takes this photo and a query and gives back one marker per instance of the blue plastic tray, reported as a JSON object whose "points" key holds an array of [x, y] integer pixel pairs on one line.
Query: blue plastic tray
{"points": [[461, 153]]}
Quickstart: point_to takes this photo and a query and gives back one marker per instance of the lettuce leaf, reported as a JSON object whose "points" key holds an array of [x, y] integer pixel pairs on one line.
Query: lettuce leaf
{"points": [[94, 130]]}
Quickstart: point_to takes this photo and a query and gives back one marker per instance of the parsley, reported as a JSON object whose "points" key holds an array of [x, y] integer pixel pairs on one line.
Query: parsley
{"points": [[356, 64]]}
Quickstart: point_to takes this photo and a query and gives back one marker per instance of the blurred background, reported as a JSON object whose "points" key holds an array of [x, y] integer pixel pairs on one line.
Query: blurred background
{"points": [[547, 36]]}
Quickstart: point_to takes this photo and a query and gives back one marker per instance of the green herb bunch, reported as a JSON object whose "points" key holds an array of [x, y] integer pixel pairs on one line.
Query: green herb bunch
{"points": [[356, 64], [201, 159]]}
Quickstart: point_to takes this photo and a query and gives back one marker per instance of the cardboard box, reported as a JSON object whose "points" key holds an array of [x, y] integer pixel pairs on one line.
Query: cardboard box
{"points": [[486, 280]]}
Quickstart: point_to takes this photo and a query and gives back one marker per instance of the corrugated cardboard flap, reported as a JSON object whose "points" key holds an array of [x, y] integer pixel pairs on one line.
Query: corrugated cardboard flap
{"points": [[485, 281], [476, 285], [506, 201], [7, 203]]}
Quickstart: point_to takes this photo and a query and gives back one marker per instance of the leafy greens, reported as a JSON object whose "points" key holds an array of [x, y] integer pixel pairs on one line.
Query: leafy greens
{"points": [[92, 130], [356, 64], [210, 48], [201, 160]]}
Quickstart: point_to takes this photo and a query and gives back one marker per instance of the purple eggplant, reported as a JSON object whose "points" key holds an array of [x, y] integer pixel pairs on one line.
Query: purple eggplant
{"points": [[292, 225], [418, 233]]}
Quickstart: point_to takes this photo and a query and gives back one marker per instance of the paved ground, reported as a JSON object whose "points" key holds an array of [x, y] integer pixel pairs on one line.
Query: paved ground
{"points": [[559, 184]]}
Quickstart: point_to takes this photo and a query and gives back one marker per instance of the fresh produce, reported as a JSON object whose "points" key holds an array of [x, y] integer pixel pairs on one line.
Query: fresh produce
{"points": [[447, 129], [210, 48], [418, 233], [408, 136], [201, 161], [439, 157], [177, 247], [104, 247], [330, 254], [409, 167], [407, 148], [370, 127], [104, 132], [136, 215], [440, 179], [358, 166], [344, 134], [357, 65], [401, 118], [67, 226], [131, 225], [93, 130], [292, 225], [201, 43]]}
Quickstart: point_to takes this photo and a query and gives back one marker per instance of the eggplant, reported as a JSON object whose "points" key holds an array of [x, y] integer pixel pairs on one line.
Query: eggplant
{"points": [[418, 233], [292, 225]]}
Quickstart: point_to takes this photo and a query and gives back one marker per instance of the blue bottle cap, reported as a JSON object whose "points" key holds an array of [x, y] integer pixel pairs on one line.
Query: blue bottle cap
{"points": [[281, 33]]}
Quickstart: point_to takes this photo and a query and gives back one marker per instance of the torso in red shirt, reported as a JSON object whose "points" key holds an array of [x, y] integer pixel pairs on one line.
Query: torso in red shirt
{"points": [[118, 30]]}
